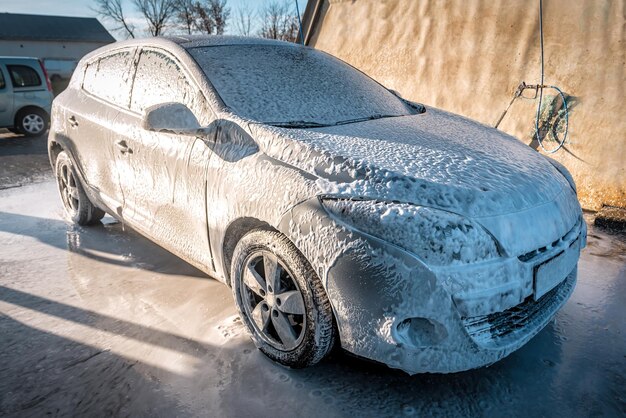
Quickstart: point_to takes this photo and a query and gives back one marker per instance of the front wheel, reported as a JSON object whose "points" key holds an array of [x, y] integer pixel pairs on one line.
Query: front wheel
{"points": [[281, 300], [77, 205]]}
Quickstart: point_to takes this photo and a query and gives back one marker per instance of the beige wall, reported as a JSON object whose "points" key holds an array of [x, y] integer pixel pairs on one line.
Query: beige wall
{"points": [[52, 49], [469, 57]]}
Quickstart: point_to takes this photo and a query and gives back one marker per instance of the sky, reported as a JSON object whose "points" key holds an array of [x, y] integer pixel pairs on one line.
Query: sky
{"points": [[82, 8]]}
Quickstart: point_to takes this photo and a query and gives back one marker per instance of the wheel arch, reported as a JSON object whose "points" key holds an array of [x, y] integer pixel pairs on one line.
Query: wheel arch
{"points": [[58, 143], [235, 231], [22, 109], [54, 149]]}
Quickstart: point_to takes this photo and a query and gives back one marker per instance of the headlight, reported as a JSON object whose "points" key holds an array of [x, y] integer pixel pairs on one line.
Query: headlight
{"points": [[437, 237]]}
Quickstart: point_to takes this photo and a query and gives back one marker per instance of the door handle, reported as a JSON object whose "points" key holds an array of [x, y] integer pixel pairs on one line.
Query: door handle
{"points": [[73, 121], [123, 147]]}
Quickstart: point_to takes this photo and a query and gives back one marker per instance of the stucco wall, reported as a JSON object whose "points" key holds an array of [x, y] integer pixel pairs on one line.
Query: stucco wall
{"points": [[469, 57], [47, 49]]}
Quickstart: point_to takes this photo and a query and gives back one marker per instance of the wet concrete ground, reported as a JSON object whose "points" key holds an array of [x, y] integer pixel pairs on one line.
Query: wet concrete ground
{"points": [[22, 160], [99, 321]]}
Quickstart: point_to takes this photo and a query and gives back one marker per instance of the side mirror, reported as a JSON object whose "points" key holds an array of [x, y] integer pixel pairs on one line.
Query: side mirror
{"points": [[170, 117]]}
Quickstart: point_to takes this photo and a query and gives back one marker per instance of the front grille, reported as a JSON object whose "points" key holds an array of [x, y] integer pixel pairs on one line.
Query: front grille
{"points": [[531, 255], [496, 328]]}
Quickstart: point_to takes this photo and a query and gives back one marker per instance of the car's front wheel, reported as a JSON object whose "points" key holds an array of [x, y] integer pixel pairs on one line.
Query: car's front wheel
{"points": [[281, 300], [77, 205]]}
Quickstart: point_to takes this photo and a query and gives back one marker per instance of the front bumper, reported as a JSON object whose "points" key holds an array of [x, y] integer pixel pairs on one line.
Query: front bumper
{"points": [[392, 308]]}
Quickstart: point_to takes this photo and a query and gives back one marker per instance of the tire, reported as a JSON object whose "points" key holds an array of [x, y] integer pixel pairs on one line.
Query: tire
{"points": [[77, 205], [32, 122], [269, 312]]}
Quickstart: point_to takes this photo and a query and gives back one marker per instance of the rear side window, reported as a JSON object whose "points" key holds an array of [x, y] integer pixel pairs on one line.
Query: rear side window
{"points": [[23, 76], [159, 79], [2, 83], [109, 78]]}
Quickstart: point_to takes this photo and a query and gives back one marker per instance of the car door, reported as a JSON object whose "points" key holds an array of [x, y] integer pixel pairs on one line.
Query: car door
{"points": [[163, 175], [93, 125], [6, 99], [27, 80]]}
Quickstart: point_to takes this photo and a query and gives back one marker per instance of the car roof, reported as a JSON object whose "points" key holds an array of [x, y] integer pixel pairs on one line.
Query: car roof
{"points": [[6, 57], [180, 43], [195, 41], [192, 41]]}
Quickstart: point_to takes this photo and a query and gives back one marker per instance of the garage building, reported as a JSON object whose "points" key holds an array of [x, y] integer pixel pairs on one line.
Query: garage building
{"points": [[59, 41]]}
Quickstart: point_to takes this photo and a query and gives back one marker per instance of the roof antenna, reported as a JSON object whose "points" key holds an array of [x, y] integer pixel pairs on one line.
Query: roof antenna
{"points": [[299, 23]]}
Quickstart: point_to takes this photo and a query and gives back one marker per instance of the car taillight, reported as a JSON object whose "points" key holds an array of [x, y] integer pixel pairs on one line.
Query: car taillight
{"points": [[45, 74]]}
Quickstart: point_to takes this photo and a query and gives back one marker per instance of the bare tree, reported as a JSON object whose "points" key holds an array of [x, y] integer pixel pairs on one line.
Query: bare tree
{"points": [[210, 16], [219, 13], [112, 10], [279, 21], [203, 21], [157, 13], [243, 20], [185, 15]]}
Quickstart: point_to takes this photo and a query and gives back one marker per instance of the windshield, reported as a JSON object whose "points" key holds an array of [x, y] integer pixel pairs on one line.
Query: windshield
{"points": [[294, 86]]}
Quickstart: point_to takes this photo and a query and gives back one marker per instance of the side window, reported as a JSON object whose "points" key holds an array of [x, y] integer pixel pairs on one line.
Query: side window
{"points": [[23, 76], [159, 79], [2, 83], [109, 78], [89, 82]]}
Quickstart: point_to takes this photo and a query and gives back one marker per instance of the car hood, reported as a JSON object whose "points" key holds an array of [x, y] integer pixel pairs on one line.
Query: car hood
{"points": [[434, 159]]}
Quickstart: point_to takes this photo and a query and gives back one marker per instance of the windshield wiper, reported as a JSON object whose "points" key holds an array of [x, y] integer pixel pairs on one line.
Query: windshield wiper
{"points": [[310, 124], [345, 122], [297, 124]]}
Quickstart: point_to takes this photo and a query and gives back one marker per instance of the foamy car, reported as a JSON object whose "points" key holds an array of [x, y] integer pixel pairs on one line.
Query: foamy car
{"points": [[338, 212]]}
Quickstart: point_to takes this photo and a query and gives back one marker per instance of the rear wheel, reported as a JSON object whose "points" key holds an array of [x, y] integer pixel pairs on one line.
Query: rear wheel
{"points": [[281, 300], [32, 122], [77, 205]]}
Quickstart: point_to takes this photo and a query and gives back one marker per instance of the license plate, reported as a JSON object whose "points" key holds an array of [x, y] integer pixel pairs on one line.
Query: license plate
{"points": [[549, 274]]}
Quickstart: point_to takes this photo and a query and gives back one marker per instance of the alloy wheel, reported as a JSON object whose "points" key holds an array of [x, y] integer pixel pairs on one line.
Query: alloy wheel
{"points": [[68, 188], [272, 301]]}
